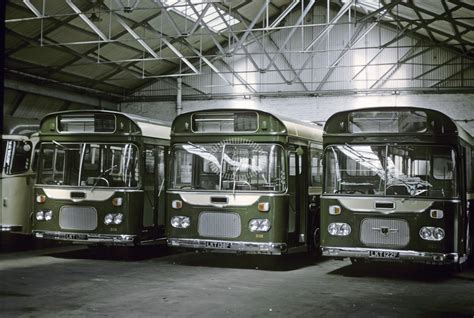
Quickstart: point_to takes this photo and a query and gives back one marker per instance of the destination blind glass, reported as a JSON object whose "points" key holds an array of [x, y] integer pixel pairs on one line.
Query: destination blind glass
{"points": [[225, 122], [387, 122], [86, 123]]}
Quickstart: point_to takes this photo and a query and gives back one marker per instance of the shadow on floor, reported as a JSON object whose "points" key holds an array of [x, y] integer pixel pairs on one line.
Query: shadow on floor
{"points": [[115, 253], [262, 262], [402, 271], [15, 242]]}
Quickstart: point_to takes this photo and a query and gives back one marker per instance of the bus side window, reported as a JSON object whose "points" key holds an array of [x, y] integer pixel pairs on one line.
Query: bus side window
{"points": [[161, 166], [316, 167], [20, 155], [149, 161], [292, 164], [472, 170]]}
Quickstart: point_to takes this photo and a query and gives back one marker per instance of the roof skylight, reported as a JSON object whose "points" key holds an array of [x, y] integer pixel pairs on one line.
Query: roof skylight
{"points": [[214, 21]]}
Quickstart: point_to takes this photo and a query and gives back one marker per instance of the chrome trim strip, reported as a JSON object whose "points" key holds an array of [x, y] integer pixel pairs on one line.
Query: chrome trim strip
{"points": [[10, 228], [365, 201], [223, 193], [87, 238], [405, 255], [235, 246]]}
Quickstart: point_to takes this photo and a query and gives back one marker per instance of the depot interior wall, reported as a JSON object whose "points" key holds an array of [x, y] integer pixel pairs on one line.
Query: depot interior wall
{"points": [[460, 107]]}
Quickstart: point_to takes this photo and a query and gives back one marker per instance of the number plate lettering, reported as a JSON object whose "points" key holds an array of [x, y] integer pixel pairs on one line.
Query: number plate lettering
{"points": [[222, 245], [383, 254]]}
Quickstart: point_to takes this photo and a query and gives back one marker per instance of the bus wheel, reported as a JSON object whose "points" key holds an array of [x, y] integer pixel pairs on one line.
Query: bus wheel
{"points": [[470, 244], [315, 243], [314, 239]]}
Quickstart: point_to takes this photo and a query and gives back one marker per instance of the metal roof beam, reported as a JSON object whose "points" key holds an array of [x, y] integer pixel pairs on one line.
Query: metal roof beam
{"points": [[249, 27], [298, 22], [453, 75], [20, 96], [87, 20], [388, 74], [354, 39], [61, 94], [329, 27]]}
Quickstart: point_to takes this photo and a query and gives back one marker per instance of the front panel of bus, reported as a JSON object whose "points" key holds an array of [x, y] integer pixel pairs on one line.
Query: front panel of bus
{"points": [[395, 195], [228, 184], [92, 182]]}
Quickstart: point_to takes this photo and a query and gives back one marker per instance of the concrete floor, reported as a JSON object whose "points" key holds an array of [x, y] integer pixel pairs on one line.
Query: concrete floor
{"points": [[69, 281]]}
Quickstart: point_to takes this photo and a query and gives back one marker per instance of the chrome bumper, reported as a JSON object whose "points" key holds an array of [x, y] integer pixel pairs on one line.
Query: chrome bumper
{"points": [[10, 228], [230, 246], [87, 238], [408, 256]]}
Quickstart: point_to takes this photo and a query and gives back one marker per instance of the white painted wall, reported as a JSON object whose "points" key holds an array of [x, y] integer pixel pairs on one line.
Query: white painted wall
{"points": [[458, 106]]}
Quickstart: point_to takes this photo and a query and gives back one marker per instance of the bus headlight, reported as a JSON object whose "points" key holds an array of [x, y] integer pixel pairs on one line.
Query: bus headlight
{"points": [[39, 216], [118, 218], [180, 222], [108, 219], [425, 233], [48, 215], [259, 225], [339, 229], [432, 233], [438, 234]]}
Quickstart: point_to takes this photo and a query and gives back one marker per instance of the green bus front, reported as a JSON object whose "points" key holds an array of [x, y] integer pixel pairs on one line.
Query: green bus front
{"points": [[99, 187], [234, 186], [398, 194]]}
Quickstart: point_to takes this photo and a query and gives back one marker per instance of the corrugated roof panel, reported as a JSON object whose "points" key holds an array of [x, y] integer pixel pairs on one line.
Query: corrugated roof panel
{"points": [[46, 56]]}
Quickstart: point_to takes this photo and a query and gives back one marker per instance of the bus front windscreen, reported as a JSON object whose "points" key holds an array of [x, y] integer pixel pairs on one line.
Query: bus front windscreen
{"points": [[88, 164], [228, 167], [390, 170]]}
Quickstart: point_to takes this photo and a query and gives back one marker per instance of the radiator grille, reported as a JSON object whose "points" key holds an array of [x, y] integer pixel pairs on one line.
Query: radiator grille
{"points": [[78, 218], [215, 224], [384, 232]]}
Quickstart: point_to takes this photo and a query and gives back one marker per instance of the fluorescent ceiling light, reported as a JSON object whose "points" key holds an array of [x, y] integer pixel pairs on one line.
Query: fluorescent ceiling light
{"points": [[211, 18]]}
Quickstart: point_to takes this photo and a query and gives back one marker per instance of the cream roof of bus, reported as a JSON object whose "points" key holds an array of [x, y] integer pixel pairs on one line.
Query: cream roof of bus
{"points": [[294, 127], [149, 127]]}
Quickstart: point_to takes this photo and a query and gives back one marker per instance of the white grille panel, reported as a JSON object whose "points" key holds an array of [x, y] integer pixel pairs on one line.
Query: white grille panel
{"points": [[78, 218], [384, 232], [215, 224]]}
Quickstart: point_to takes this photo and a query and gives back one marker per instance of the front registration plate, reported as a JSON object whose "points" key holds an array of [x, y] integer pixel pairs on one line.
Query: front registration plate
{"points": [[82, 237], [384, 254], [221, 245]]}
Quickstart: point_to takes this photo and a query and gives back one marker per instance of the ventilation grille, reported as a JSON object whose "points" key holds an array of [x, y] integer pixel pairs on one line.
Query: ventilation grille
{"points": [[384, 233], [215, 224], [78, 218]]}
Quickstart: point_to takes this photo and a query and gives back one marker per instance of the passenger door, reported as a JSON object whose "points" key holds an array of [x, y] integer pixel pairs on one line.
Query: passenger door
{"points": [[154, 182], [297, 190]]}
